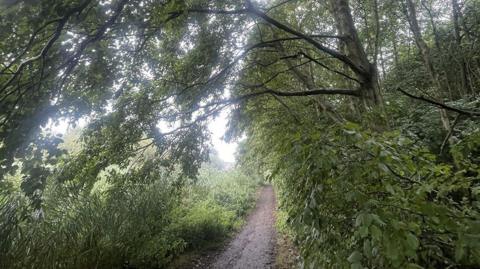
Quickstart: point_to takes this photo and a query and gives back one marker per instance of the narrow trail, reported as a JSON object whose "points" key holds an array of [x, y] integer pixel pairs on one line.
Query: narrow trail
{"points": [[254, 246]]}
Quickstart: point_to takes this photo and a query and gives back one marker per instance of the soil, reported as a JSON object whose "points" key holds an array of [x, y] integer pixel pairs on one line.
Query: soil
{"points": [[254, 246], [288, 256]]}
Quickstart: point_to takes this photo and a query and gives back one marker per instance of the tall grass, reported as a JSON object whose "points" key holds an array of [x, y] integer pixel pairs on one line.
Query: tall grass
{"points": [[136, 225]]}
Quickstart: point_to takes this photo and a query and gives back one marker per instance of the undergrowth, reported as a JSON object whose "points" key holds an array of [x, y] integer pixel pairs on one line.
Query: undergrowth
{"points": [[129, 225]]}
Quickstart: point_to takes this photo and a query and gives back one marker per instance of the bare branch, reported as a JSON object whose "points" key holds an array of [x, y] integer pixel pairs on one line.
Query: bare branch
{"points": [[343, 58], [331, 91], [328, 68], [175, 14], [222, 104], [441, 105]]}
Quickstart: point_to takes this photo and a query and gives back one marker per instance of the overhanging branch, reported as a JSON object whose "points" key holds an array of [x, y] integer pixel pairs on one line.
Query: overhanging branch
{"points": [[332, 91], [441, 105], [307, 38], [222, 104], [335, 54]]}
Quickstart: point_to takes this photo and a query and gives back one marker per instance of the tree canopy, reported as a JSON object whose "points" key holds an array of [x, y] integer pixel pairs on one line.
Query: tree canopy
{"points": [[364, 113]]}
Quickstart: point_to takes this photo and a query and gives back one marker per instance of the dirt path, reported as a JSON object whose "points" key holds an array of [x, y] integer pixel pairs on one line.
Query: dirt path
{"points": [[254, 247]]}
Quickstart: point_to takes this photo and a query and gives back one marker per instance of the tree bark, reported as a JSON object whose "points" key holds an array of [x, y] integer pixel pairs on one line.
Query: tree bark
{"points": [[458, 40], [395, 51], [368, 78], [436, 38], [411, 13]]}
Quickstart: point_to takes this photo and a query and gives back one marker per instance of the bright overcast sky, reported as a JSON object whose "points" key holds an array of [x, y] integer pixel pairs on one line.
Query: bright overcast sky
{"points": [[217, 127]]}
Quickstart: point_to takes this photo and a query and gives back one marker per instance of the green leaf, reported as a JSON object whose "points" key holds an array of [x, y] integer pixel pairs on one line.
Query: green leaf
{"points": [[367, 248], [363, 219], [363, 231], [412, 241], [459, 251], [355, 257], [389, 188], [383, 167], [375, 232], [356, 265], [377, 219]]}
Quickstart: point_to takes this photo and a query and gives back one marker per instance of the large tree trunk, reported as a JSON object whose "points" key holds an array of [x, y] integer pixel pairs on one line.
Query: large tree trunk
{"points": [[411, 13], [369, 76], [436, 38], [458, 40]]}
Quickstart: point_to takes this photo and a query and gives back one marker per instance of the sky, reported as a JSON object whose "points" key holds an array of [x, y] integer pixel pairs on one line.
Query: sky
{"points": [[217, 127]]}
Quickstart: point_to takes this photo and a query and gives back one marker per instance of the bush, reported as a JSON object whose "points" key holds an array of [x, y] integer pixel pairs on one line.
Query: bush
{"points": [[204, 222], [123, 223], [356, 198], [214, 206], [233, 189], [93, 231]]}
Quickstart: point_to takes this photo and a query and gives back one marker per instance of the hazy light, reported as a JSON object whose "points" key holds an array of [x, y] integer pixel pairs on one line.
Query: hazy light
{"points": [[218, 126]]}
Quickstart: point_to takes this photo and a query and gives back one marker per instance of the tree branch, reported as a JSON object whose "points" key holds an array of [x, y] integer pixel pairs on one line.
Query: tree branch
{"points": [[447, 137], [441, 105], [46, 48], [298, 94], [308, 38], [328, 68], [335, 54]]}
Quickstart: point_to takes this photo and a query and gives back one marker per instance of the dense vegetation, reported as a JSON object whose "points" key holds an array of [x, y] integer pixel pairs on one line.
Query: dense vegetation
{"points": [[363, 113], [132, 224]]}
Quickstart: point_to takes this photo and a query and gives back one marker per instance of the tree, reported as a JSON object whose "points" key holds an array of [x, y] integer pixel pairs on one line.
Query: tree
{"points": [[64, 74], [302, 80]]}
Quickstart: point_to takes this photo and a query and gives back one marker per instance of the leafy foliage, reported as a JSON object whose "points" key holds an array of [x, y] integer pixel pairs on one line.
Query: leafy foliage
{"points": [[366, 176], [136, 224], [377, 201]]}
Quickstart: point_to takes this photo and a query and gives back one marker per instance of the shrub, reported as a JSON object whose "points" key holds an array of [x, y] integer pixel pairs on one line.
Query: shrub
{"points": [[125, 223], [359, 199], [203, 222]]}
